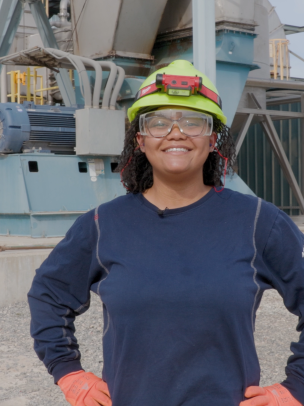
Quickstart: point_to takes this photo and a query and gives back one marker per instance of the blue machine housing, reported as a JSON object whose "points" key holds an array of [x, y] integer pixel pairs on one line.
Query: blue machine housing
{"points": [[44, 186], [26, 126], [42, 194], [14, 127]]}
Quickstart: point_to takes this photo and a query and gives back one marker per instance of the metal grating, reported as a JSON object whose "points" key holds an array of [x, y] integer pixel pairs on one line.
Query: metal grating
{"points": [[51, 120], [55, 130], [54, 138], [259, 168]]}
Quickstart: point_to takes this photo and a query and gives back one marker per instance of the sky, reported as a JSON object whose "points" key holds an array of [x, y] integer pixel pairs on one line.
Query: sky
{"points": [[292, 12]]}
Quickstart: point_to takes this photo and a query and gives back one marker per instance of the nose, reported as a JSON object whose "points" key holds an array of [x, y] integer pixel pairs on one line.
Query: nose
{"points": [[176, 134]]}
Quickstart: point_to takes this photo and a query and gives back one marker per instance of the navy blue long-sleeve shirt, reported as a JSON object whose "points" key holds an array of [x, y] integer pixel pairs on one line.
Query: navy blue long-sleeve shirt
{"points": [[180, 293]]}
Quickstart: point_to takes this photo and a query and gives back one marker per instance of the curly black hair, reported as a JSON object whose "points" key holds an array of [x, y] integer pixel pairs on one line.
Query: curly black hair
{"points": [[136, 170]]}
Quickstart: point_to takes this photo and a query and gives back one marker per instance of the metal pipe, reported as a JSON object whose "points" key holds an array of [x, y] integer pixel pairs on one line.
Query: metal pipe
{"points": [[83, 77], [204, 53], [110, 84], [63, 15], [98, 79], [4, 84], [79, 63], [119, 82], [63, 10], [84, 83]]}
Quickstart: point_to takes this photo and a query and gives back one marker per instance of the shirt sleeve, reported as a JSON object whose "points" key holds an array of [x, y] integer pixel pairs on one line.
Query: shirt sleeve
{"points": [[283, 255], [60, 291]]}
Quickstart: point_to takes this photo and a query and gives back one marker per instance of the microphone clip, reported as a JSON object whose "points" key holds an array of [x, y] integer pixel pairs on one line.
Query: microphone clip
{"points": [[161, 212]]}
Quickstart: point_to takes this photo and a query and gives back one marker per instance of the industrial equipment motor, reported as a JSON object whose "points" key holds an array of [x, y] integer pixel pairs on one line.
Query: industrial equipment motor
{"points": [[27, 126]]}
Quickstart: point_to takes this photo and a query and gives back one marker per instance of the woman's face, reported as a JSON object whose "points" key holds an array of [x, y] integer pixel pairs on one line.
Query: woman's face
{"points": [[165, 161]]}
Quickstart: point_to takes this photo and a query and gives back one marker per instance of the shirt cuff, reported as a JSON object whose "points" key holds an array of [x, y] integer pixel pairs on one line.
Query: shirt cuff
{"points": [[295, 387], [64, 368]]}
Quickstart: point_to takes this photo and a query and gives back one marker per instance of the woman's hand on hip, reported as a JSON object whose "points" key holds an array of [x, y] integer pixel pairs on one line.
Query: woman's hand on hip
{"points": [[274, 395], [85, 389]]}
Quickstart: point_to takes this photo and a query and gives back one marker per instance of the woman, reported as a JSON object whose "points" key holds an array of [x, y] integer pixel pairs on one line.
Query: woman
{"points": [[179, 263]]}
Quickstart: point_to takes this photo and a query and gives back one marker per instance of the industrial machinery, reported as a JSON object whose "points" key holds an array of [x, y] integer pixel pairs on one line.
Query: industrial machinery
{"points": [[57, 162], [28, 127]]}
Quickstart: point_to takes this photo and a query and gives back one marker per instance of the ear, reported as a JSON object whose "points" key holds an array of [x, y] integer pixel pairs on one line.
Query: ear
{"points": [[141, 141], [212, 141]]}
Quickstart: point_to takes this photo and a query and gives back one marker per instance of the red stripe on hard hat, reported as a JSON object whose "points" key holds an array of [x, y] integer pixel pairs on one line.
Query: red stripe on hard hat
{"points": [[210, 94], [204, 91]]}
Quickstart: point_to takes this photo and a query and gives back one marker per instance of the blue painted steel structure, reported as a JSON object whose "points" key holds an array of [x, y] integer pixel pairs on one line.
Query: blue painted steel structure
{"points": [[43, 194]]}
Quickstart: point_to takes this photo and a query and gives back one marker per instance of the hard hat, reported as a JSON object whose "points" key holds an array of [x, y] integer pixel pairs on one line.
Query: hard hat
{"points": [[178, 84]]}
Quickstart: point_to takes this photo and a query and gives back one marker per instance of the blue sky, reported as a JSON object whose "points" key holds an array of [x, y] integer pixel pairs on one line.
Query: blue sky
{"points": [[292, 12]]}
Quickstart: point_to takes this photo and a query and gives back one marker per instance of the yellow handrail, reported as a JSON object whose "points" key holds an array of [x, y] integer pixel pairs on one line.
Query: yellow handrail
{"points": [[46, 5], [17, 79], [280, 55]]}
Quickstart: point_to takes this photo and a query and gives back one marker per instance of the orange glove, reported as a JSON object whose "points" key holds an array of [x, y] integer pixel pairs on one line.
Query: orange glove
{"points": [[85, 389], [274, 395]]}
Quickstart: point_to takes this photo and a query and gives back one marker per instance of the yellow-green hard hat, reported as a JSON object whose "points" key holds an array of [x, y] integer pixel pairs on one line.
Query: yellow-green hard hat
{"points": [[179, 98]]}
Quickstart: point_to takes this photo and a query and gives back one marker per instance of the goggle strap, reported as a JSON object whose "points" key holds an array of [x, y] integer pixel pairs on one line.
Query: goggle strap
{"points": [[204, 91]]}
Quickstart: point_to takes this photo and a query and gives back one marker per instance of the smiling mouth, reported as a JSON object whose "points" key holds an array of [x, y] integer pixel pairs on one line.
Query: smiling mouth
{"points": [[177, 150]]}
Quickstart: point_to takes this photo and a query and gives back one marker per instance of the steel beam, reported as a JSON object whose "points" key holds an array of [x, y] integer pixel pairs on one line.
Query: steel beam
{"points": [[242, 133], [3, 82], [276, 145], [302, 144], [272, 135], [275, 84], [49, 41], [292, 29], [276, 114], [10, 16]]}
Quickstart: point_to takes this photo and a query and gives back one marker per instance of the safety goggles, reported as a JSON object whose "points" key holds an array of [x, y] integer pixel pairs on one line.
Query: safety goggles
{"points": [[159, 123]]}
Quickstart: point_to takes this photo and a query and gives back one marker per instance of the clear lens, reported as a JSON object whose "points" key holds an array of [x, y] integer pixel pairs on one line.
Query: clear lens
{"points": [[158, 124]]}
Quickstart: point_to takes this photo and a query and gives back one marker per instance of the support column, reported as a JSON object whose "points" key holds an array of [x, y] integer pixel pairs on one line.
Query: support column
{"points": [[10, 16], [4, 84], [302, 144], [204, 52], [242, 133]]}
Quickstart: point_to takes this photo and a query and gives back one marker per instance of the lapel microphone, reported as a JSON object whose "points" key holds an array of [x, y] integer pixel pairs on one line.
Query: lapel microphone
{"points": [[161, 212]]}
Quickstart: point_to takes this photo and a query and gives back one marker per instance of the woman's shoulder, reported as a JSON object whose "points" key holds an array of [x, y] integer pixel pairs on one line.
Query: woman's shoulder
{"points": [[246, 202], [119, 203]]}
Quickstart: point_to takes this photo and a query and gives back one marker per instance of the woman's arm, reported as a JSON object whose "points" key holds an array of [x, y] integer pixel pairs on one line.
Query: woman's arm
{"points": [[283, 256], [60, 292]]}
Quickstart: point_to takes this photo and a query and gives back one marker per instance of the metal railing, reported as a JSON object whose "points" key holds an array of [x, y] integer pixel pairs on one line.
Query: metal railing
{"points": [[29, 79], [278, 49], [46, 6]]}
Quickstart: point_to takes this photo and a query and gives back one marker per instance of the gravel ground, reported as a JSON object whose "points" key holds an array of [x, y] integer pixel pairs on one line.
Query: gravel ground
{"points": [[25, 382]]}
